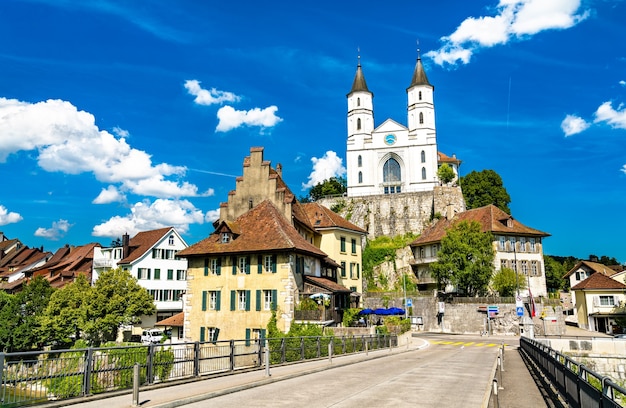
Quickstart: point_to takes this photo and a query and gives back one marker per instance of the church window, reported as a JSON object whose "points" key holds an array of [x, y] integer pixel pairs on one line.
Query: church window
{"points": [[358, 124], [421, 118], [360, 161], [423, 173], [392, 176], [360, 177], [423, 156], [420, 95], [250, 204], [358, 101]]}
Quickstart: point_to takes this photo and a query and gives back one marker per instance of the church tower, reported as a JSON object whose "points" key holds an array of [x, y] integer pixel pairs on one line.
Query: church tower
{"points": [[391, 158]]}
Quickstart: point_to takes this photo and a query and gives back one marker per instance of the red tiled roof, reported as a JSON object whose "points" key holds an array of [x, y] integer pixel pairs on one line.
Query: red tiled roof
{"points": [[322, 217], [491, 219], [325, 284], [65, 265], [599, 281], [594, 266], [177, 320], [142, 242], [442, 158], [263, 228]]}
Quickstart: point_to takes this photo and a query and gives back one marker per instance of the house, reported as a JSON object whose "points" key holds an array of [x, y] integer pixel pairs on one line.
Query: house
{"points": [[516, 246], [151, 257], [599, 300], [584, 269], [334, 229], [67, 264], [265, 255], [16, 260]]}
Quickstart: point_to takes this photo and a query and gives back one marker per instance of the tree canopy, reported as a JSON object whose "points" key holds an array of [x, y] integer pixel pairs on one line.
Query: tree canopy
{"points": [[465, 259], [334, 186], [481, 188], [445, 173], [506, 283], [554, 274]]}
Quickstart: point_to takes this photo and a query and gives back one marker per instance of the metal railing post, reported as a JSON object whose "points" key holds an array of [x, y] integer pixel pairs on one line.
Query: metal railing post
{"points": [[330, 352], [88, 372], [1, 374], [150, 364], [301, 348], [319, 346], [267, 358], [283, 352], [135, 385], [232, 355], [196, 359]]}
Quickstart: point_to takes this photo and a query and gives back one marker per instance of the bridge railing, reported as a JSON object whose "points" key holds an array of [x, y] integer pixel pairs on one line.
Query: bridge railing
{"points": [[35, 377], [575, 383]]}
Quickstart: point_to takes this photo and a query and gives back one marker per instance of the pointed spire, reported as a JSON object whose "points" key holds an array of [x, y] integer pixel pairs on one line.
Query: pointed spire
{"points": [[359, 84], [419, 75]]}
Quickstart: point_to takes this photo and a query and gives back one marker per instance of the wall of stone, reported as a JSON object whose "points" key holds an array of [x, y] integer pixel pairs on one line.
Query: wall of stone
{"points": [[397, 214]]}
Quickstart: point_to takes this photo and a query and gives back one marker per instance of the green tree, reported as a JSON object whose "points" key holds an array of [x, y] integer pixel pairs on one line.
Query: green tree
{"points": [[64, 316], [481, 188], [554, 274], [445, 173], [116, 299], [8, 320], [334, 186], [31, 303], [506, 283], [465, 259]]}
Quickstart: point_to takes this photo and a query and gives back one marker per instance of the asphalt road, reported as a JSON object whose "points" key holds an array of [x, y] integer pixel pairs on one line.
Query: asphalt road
{"points": [[448, 373]]}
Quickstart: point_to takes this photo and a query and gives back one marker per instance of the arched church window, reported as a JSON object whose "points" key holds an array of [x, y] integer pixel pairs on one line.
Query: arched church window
{"points": [[391, 171], [360, 161], [423, 156], [421, 118], [423, 173], [360, 177], [358, 101], [420, 95], [358, 124]]}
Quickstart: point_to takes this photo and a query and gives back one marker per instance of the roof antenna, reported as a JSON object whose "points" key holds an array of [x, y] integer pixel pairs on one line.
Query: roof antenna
{"points": [[418, 48], [358, 53]]}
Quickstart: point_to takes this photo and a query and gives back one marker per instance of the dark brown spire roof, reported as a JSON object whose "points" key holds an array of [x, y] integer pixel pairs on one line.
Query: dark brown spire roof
{"points": [[359, 84], [419, 75]]}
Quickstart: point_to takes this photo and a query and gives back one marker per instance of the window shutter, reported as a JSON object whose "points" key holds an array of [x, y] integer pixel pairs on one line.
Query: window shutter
{"points": [[247, 337], [615, 300], [204, 300], [148, 273], [219, 266], [596, 300], [233, 299], [234, 258], [273, 263], [258, 300], [218, 300], [216, 333], [248, 265], [263, 331], [206, 266], [260, 264], [274, 299], [247, 300], [138, 273], [202, 331], [358, 271]]}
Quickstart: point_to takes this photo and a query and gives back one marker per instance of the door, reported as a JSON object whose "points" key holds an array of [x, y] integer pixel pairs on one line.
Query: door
{"points": [[601, 324]]}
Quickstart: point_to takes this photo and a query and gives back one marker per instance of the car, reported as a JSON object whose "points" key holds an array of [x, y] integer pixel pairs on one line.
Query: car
{"points": [[620, 336], [151, 336]]}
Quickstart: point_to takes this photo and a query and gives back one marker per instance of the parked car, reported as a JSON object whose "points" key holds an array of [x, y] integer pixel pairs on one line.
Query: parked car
{"points": [[620, 336], [152, 336]]}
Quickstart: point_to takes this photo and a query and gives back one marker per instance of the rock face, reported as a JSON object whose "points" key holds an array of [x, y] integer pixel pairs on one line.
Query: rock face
{"points": [[397, 214]]}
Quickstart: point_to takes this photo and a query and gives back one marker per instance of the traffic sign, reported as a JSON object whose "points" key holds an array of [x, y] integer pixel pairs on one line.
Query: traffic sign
{"points": [[409, 303], [493, 309], [520, 310]]}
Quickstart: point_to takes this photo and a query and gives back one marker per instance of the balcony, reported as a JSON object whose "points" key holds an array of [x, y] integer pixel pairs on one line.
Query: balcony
{"points": [[314, 315], [103, 263]]}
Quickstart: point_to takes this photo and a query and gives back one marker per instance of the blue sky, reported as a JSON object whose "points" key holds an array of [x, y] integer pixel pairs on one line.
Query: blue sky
{"points": [[121, 116]]}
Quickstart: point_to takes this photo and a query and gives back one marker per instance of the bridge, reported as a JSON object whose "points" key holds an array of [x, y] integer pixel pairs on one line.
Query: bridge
{"points": [[428, 370]]}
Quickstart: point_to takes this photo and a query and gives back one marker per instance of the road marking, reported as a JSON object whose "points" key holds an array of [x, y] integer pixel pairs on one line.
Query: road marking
{"points": [[466, 343]]}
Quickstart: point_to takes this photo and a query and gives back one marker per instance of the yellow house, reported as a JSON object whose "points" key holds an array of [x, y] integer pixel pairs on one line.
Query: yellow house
{"points": [[599, 300], [263, 255]]}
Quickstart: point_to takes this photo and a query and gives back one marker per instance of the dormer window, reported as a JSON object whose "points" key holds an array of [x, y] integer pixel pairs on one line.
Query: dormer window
{"points": [[225, 237], [171, 240]]}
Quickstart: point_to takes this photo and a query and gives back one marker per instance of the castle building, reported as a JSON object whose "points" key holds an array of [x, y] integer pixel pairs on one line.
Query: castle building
{"points": [[393, 158]]}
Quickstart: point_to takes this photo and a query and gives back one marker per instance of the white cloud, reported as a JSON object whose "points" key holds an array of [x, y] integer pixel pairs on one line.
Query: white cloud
{"points": [[514, 20], [616, 118], [212, 215], [146, 216], [58, 230], [573, 124], [324, 168], [622, 82], [67, 140], [117, 131], [209, 97], [7, 217], [109, 195], [230, 118]]}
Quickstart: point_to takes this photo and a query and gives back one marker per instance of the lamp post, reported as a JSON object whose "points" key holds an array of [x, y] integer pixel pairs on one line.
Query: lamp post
{"points": [[515, 263]]}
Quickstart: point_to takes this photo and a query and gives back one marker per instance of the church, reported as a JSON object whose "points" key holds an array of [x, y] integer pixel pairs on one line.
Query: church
{"points": [[393, 158]]}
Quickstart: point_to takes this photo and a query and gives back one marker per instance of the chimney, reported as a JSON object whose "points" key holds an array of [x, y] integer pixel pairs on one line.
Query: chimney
{"points": [[125, 245], [279, 169], [450, 211]]}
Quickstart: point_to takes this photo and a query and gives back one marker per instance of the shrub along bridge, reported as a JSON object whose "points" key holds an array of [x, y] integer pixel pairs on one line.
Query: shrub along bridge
{"points": [[38, 376]]}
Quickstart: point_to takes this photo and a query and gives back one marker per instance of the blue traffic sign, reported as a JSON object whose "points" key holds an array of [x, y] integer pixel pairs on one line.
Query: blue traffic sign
{"points": [[520, 310], [409, 303]]}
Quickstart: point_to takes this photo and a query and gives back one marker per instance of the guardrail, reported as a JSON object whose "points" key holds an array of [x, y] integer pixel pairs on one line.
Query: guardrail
{"points": [[36, 377], [576, 384]]}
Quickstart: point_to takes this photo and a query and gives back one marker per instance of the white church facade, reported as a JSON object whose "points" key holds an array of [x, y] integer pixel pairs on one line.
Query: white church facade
{"points": [[393, 158]]}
